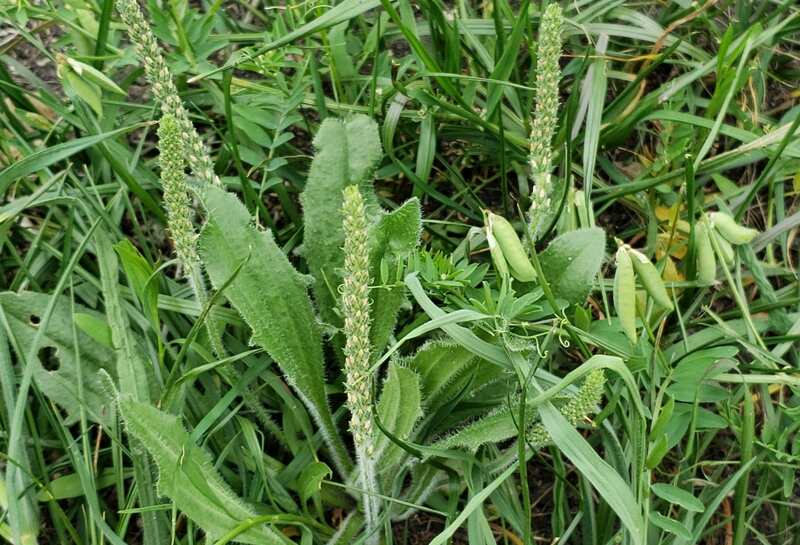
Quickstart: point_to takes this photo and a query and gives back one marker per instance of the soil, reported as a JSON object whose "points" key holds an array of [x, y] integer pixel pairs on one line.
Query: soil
{"points": [[421, 528], [28, 55]]}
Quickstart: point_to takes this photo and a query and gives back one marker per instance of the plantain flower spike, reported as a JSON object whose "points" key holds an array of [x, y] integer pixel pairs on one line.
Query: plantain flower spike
{"points": [[355, 307], [176, 191], [545, 115], [576, 409], [160, 78]]}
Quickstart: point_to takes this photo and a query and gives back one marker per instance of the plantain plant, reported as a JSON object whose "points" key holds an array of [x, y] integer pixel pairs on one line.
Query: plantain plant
{"points": [[476, 398], [434, 410]]}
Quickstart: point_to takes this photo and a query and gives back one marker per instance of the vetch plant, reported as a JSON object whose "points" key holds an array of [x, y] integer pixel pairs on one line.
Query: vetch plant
{"points": [[631, 265], [720, 230], [500, 233]]}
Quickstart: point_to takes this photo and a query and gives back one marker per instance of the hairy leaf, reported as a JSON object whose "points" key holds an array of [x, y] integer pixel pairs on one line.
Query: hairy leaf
{"points": [[399, 408], [271, 296], [135, 381], [23, 311], [443, 368], [346, 154], [187, 476], [496, 426], [393, 237], [502, 423], [571, 262]]}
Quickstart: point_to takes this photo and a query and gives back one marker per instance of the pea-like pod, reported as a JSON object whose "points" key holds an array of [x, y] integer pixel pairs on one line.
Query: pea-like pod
{"points": [[732, 231], [512, 249], [706, 263], [725, 248], [650, 279], [499, 261], [625, 294]]}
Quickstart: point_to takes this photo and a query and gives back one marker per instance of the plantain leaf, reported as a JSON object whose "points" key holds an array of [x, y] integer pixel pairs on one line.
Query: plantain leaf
{"points": [[135, 380], [446, 368], [346, 154], [502, 424], [394, 236], [271, 296], [188, 478], [140, 278], [134, 371], [571, 262], [400, 408], [440, 365], [23, 310], [494, 427]]}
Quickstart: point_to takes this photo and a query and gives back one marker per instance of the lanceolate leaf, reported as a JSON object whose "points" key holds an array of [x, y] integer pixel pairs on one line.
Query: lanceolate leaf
{"points": [[132, 369], [23, 311], [440, 365], [346, 154], [571, 263], [49, 156], [188, 478], [394, 236], [135, 381], [400, 408], [271, 296]]}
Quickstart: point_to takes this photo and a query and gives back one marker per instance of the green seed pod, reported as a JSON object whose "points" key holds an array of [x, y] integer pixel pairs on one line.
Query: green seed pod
{"points": [[706, 263], [499, 261], [732, 231], [512, 249], [625, 294], [725, 248], [650, 278]]}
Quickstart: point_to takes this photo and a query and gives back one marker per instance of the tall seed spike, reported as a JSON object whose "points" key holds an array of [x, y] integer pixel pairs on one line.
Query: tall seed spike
{"points": [[576, 409], [176, 190], [545, 115], [356, 311], [160, 78]]}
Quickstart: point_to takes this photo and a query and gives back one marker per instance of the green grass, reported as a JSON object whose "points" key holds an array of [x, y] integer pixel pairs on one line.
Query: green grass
{"points": [[153, 397]]}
